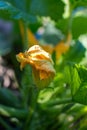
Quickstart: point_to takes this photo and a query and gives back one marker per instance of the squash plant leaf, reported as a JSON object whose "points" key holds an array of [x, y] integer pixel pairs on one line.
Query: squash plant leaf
{"points": [[14, 12], [78, 83], [29, 10], [51, 8], [77, 17], [76, 27]]}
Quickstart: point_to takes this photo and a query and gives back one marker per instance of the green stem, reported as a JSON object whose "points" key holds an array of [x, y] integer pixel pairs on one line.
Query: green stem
{"points": [[13, 112], [31, 110], [25, 36], [70, 17], [57, 102]]}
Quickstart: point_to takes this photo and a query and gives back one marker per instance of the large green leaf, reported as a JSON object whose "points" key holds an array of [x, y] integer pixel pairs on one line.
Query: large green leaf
{"points": [[28, 10], [78, 83], [52, 8], [10, 11], [79, 26], [17, 3], [77, 19], [62, 24]]}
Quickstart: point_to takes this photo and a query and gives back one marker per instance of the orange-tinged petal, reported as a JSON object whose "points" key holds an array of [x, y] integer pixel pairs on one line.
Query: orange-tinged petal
{"points": [[60, 49], [37, 52], [43, 74], [41, 63], [48, 48], [63, 46], [31, 38]]}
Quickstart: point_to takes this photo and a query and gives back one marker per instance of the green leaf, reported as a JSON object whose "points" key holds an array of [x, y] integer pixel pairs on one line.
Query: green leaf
{"points": [[79, 26], [8, 98], [75, 80], [14, 12], [78, 83], [28, 10], [75, 53], [17, 4], [62, 24], [51, 8], [45, 95], [13, 112]]}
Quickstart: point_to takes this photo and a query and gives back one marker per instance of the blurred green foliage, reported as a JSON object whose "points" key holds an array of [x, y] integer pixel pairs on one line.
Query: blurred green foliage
{"points": [[62, 104]]}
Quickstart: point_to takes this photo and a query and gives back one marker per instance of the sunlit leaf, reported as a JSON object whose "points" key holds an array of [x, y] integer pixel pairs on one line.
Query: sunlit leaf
{"points": [[79, 83], [79, 26]]}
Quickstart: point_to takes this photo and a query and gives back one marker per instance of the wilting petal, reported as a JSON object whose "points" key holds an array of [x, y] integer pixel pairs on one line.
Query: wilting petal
{"points": [[41, 63]]}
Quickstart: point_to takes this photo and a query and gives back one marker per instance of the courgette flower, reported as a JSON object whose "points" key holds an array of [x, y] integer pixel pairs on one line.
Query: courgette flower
{"points": [[41, 62]]}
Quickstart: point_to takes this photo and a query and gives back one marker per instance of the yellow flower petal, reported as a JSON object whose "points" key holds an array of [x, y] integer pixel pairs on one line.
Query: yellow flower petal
{"points": [[41, 63]]}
